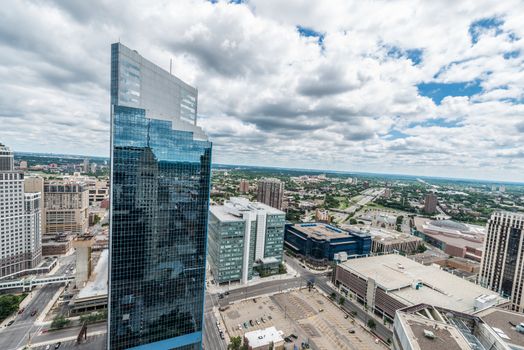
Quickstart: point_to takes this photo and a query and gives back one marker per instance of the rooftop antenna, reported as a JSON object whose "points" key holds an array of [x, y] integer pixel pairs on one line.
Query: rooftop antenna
{"points": [[170, 65]]}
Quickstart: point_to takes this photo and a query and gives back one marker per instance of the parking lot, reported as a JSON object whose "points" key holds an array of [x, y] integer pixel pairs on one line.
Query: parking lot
{"points": [[303, 317]]}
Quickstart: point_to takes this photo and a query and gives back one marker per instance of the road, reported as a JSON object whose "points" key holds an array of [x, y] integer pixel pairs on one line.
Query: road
{"points": [[18, 333], [95, 342]]}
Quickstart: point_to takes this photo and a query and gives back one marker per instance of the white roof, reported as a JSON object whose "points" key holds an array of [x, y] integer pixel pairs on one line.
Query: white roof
{"points": [[263, 337], [233, 208], [396, 274]]}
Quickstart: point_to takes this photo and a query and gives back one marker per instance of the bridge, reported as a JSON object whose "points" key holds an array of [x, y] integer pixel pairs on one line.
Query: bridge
{"points": [[27, 284]]}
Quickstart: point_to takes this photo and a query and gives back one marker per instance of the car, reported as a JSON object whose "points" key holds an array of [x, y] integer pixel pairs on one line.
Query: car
{"points": [[33, 312], [269, 317], [57, 345], [221, 296], [287, 340], [346, 316], [351, 330], [263, 320], [258, 322], [320, 310], [21, 310], [239, 327], [48, 347], [222, 335], [255, 301], [10, 323], [226, 293], [251, 323], [218, 324], [245, 325], [293, 336]]}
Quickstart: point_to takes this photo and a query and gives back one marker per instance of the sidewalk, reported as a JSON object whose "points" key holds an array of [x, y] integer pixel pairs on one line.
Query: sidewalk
{"points": [[291, 273]]}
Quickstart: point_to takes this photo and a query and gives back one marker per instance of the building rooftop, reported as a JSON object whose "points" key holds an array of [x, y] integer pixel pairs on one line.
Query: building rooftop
{"points": [[233, 209], [390, 236], [325, 231], [413, 283], [263, 337], [503, 322], [446, 337]]}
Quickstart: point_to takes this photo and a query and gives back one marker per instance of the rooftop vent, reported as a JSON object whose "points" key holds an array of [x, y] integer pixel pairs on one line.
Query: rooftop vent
{"points": [[429, 334]]}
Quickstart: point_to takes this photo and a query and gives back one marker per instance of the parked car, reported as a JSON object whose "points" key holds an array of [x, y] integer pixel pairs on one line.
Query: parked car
{"points": [[245, 325], [258, 322], [218, 324], [251, 323], [21, 310], [33, 312], [222, 335], [10, 323], [351, 330], [263, 320], [226, 293], [239, 327], [57, 345], [48, 347]]}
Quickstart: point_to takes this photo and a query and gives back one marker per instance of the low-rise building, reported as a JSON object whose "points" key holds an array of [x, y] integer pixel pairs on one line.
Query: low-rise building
{"points": [[454, 238], [387, 283], [426, 327], [244, 238], [264, 339], [389, 241], [320, 241]]}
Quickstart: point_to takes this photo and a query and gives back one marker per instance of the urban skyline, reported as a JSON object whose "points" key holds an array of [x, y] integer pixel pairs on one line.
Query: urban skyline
{"points": [[448, 107]]}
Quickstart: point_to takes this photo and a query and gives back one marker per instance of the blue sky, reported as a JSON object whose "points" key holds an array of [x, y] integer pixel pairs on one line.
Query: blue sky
{"points": [[386, 86]]}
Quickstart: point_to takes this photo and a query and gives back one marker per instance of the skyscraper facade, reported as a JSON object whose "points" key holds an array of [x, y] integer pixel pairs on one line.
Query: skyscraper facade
{"points": [[502, 263], [271, 192], [160, 183], [21, 243]]}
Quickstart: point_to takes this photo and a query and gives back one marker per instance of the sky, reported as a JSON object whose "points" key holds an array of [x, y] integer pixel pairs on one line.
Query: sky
{"points": [[421, 87]]}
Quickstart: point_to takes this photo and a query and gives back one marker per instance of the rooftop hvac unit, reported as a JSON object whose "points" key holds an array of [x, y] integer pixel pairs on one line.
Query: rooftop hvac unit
{"points": [[429, 334]]}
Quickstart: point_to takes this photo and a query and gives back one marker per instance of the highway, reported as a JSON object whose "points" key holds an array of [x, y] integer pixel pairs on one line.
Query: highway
{"points": [[17, 335]]}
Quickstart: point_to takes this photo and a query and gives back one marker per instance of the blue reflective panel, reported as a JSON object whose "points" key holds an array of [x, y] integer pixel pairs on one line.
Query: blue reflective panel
{"points": [[159, 207], [159, 213]]}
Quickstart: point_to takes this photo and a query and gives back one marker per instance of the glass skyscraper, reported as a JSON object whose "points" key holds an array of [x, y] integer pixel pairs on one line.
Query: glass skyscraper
{"points": [[159, 206]]}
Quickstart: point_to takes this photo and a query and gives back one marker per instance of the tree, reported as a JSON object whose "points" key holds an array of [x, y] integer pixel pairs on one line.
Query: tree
{"points": [[341, 300], [352, 221], [9, 304], [282, 268], [235, 343], [421, 248], [333, 295], [59, 322], [371, 323]]}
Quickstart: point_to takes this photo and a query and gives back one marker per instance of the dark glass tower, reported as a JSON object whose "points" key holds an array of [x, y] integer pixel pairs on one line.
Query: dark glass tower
{"points": [[159, 205]]}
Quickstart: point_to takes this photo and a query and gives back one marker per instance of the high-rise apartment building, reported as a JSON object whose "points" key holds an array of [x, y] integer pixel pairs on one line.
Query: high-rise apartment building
{"points": [[502, 263], [271, 192], [66, 204], [244, 237], [430, 203], [160, 183], [20, 240], [243, 187]]}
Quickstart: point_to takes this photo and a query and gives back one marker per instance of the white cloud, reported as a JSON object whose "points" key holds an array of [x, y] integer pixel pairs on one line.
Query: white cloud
{"points": [[272, 97]]}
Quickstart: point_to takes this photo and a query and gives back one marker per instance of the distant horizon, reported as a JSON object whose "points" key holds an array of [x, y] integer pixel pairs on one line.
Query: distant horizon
{"points": [[348, 172]]}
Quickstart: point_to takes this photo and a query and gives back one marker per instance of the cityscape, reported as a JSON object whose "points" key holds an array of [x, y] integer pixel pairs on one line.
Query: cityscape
{"points": [[193, 212]]}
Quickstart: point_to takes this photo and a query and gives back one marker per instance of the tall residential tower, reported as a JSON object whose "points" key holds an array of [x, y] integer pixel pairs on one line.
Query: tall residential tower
{"points": [[20, 221], [271, 192], [502, 267], [160, 184]]}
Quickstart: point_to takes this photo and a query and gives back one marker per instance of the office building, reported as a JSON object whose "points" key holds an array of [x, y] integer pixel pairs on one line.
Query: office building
{"points": [[20, 221], [271, 192], [65, 204], [319, 242], [430, 203], [160, 183], [243, 187], [454, 238], [23, 165], [387, 283], [35, 184], [503, 258], [245, 238], [86, 165], [390, 241], [322, 215]]}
